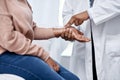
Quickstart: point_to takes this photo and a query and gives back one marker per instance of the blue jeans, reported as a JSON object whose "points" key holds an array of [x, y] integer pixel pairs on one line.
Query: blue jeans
{"points": [[31, 68]]}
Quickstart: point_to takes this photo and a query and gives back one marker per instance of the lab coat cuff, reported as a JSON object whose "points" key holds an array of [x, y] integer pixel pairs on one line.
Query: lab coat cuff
{"points": [[93, 17], [90, 13]]}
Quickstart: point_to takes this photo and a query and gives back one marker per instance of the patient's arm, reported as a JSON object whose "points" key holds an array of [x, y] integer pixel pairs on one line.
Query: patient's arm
{"points": [[70, 34]]}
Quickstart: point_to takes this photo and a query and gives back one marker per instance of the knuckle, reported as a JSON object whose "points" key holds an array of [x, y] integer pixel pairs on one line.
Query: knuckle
{"points": [[73, 17]]}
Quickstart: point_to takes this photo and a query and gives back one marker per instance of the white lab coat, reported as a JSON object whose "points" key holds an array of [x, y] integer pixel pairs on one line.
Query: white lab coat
{"points": [[105, 15], [77, 60]]}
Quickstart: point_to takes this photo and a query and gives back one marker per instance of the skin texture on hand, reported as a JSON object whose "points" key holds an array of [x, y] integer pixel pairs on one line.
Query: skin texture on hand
{"points": [[52, 64], [78, 19], [72, 33]]}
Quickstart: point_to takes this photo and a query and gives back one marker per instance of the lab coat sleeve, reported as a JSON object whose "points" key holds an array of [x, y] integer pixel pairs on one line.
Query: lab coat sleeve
{"points": [[67, 12], [104, 11]]}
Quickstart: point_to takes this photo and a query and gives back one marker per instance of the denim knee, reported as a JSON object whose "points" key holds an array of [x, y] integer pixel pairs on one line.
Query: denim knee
{"points": [[12, 69]]}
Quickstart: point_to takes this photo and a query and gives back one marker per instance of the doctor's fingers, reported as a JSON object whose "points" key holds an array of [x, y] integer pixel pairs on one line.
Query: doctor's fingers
{"points": [[75, 20], [78, 22], [70, 22], [70, 34], [65, 36]]}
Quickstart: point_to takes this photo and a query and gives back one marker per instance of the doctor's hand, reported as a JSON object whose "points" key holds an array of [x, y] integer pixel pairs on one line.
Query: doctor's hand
{"points": [[72, 33], [52, 64], [78, 19]]}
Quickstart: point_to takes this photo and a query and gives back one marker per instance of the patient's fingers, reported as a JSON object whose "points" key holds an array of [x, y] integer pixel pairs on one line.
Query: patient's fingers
{"points": [[82, 38]]}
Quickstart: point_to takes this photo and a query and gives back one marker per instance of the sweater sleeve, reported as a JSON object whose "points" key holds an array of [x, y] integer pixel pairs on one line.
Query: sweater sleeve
{"points": [[15, 41], [42, 33]]}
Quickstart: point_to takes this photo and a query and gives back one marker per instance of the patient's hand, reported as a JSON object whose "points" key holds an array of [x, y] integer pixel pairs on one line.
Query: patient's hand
{"points": [[52, 64], [71, 34]]}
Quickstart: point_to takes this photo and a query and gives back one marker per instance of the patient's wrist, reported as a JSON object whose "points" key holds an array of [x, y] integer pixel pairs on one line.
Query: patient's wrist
{"points": [[58, 31]]}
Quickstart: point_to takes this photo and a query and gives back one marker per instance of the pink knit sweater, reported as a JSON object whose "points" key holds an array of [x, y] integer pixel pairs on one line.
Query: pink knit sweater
{"points": [[17, 29]]}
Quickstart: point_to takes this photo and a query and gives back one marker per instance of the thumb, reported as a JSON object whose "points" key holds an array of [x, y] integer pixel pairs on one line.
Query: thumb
{"points": [[83, 39]]}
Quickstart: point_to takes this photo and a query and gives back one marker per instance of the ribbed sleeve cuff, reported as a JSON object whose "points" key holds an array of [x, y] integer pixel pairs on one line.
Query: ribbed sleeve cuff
{"points": [[44, 56]]}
